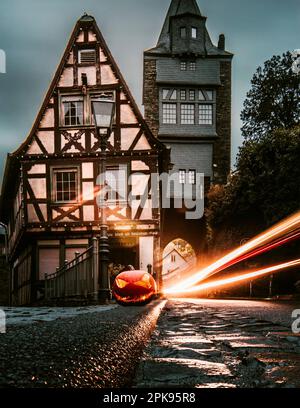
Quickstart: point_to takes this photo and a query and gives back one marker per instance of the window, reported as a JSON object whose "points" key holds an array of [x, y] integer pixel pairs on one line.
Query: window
{"points": [[173, 258], [182, 176], [65, 185], [170, 94], [183, 94], [166, 93], [183, 66], [72, 107], [169, 113], [205, 114], [192, 176], [183, 32], [87, 57], [209, 95], [116, 181], [72, 111], [187, 114], [193, 66], [194, 32], [201, 96], [187, 106], [192, 94], [173, 95]]}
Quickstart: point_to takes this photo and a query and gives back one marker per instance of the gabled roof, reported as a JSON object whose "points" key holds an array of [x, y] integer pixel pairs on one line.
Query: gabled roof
{"points": [[12, 168], [174, 249], [83, 22]]}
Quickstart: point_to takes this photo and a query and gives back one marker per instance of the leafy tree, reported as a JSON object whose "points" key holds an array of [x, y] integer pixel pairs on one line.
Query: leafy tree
{"points": [[264, 189], [274, 99]]}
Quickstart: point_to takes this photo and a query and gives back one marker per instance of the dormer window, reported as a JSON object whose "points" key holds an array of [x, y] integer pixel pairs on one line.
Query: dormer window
{"points": [[183, 32], [194, 32], [87, 56]]}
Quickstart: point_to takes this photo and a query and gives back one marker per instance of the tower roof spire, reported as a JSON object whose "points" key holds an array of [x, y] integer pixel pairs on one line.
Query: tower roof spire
{"points": [[178, 7], [187, 6], [185, 11]]}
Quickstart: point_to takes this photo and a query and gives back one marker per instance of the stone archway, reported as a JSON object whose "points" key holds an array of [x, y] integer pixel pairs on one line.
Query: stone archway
{"points": [[178, 259]]}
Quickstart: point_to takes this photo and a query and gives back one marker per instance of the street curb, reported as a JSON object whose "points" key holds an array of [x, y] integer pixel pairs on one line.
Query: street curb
{"points": [[136, 340]]}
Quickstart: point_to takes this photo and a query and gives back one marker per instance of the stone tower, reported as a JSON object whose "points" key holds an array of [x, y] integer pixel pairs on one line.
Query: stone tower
{"points": [[187, 100]]}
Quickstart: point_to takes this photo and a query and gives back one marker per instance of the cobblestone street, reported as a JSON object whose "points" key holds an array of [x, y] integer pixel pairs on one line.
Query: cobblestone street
{"points": [[195, 343], [208, 345]]}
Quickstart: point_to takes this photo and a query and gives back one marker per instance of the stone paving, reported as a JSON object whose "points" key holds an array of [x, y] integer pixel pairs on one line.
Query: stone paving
{"points": [[201, 347]]}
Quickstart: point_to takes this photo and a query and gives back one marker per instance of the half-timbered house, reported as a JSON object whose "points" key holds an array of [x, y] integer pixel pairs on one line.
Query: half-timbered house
{"points": [[50, 184]]}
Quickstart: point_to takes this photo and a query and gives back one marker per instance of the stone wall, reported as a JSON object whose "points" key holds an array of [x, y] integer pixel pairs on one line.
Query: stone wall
{"points": [[222, 147], [151, 95]]}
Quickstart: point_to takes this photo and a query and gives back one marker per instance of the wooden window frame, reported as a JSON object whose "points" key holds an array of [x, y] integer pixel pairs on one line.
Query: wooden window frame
{"points": [[69, 98], [57, 170]]}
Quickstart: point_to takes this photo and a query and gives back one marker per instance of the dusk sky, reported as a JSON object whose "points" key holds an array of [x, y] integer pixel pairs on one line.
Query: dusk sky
{"points": [[34, 34]]}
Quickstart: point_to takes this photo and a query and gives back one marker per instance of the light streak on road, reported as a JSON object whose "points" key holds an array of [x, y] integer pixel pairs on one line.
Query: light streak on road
{"points": [[280, 230], [239, 278]]}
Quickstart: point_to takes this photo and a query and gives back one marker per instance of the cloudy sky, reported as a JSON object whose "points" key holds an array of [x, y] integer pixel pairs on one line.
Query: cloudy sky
{"points": [[34, 33]]}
